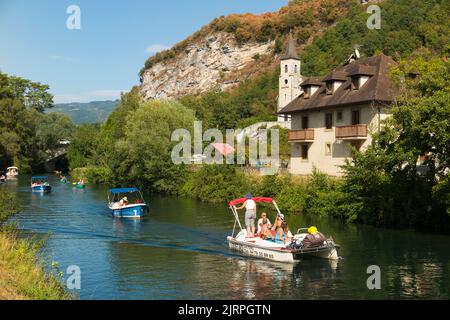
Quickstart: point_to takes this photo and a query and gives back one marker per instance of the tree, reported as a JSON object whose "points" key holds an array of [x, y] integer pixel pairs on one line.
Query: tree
{"points": [[146, 147], [384, 182]]}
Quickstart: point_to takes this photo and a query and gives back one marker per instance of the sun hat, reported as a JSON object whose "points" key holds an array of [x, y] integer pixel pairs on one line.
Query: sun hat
{"points": [[248, 196]]}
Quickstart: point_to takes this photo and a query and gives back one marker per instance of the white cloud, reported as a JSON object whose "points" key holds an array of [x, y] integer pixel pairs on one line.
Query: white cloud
{"points": [[155, 48], [97, 95], [64, 58]]}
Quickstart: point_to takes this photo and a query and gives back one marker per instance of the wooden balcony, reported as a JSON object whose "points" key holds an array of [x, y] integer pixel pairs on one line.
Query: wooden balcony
{"points": [[356, 132], [301, 135]]}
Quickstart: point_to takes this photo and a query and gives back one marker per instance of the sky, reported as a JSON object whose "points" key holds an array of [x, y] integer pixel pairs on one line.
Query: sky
{"points": [[104, 57]]}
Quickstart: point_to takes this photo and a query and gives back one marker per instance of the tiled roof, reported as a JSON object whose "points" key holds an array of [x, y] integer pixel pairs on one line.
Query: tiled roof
{"points": [[379, 87]]}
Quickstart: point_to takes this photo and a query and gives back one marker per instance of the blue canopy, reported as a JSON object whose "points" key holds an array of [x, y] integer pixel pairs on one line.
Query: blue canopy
{"points": [[39, 178], [123, 190]]}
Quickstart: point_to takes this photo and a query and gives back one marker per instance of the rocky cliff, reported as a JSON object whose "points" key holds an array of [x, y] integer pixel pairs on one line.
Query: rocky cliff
{"points": [[214, 61], [236, 47]]}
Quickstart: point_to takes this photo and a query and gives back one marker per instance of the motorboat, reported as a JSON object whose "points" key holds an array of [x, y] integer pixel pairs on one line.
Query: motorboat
{"points": [[2, 177], [12, 173], [127, 203], [280, 251], [40, 184]]}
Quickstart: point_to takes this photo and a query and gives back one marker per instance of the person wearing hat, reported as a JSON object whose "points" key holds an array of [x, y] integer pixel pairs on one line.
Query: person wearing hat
{"points": [[250, 215], [123, 202], [278, 230]]}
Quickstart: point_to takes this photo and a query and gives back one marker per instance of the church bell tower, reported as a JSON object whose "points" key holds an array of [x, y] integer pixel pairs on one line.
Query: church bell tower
{"points": [[290, 77]]}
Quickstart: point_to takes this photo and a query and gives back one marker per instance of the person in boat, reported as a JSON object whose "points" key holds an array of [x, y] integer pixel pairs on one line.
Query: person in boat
{"points": [[2, 177], [123, 202], [264, 225], [314, 238], [280, 230], [286, 232], [250, 214]]}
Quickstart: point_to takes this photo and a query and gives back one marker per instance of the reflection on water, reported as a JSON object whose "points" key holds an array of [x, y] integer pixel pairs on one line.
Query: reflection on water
{"points": [[180, 252]]}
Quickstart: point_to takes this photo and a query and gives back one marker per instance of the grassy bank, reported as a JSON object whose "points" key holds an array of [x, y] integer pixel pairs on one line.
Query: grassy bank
{"points": [[22, 273]]}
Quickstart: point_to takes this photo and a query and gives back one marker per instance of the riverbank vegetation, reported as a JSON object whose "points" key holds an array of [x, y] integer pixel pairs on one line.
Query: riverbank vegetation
{"points": [[380, 186], [27, 134], [22, 273]]}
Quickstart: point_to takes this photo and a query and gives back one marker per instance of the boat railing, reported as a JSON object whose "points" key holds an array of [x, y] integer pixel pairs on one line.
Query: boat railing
{"points": [[302, 230]]}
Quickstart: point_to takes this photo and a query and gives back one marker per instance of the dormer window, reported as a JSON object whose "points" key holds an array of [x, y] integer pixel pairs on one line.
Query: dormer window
{"points": [[311, 86], [360, 74], [307, 94], [333, 81], [355, 83], [330, 88]]}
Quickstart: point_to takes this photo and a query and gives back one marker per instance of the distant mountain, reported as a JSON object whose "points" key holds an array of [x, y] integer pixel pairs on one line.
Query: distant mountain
{"points": [[91, 112]]}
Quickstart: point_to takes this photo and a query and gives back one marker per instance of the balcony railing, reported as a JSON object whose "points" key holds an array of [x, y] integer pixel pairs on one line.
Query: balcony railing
{"points": [[356, 132], [301, 135]]}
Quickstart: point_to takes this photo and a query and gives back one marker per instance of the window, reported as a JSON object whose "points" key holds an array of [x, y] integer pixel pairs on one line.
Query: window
{"points": [[286, 117], [355, 83], [286, 68], [304, 151], [286, 81], [295, 69], [328, 149], [305, 123], [307, 93], [339, 116], [329, 87], [355, 117], [329, 121]]}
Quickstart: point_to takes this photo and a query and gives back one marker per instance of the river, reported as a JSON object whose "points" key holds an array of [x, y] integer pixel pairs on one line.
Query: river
{"points": [[180, 252]]}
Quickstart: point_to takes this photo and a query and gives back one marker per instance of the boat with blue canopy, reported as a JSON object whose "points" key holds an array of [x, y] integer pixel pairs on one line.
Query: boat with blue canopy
{"points": [[127, 203], [40, 184]]}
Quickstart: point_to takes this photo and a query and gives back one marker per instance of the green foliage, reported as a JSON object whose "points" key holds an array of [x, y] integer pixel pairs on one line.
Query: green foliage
{"points": [[216, 183], [253, 101], [26, 133], [83, 146], [133, 147], [406, 26], [383, 183], [8, 206], [33, 95]]}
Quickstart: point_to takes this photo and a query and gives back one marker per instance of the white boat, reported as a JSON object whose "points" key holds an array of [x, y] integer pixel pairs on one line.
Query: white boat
{"points": [[276, 251], [12, 172]]}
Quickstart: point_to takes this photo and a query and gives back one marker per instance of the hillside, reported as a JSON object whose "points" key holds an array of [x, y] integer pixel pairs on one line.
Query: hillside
{"points": [[235, 48], [91, 112]]}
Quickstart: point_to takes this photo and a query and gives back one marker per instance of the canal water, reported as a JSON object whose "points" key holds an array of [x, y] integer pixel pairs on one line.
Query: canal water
{"points": [[180, 252]]}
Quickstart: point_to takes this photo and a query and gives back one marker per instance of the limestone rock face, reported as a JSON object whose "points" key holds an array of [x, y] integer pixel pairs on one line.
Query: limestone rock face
{"points": [[208, 63]]}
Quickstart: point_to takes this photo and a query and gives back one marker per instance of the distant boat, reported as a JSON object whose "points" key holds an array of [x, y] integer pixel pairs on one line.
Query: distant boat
{"points": [[127, 203], [2, 176], [12, 172], [40, 184]]}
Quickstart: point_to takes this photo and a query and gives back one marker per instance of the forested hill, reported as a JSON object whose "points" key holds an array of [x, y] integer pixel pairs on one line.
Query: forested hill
{"points": [[86, 113]]}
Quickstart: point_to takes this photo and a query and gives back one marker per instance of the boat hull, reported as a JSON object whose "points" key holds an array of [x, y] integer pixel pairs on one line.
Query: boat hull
{"points": [[80, 186], [261, 249], [44, 189], [255, 251], [133, 212]]}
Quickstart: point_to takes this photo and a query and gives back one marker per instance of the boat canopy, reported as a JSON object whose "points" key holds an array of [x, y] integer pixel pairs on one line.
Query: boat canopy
{"points": [[10, 168], [257, 199], [123, 190], [39, 178]]}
